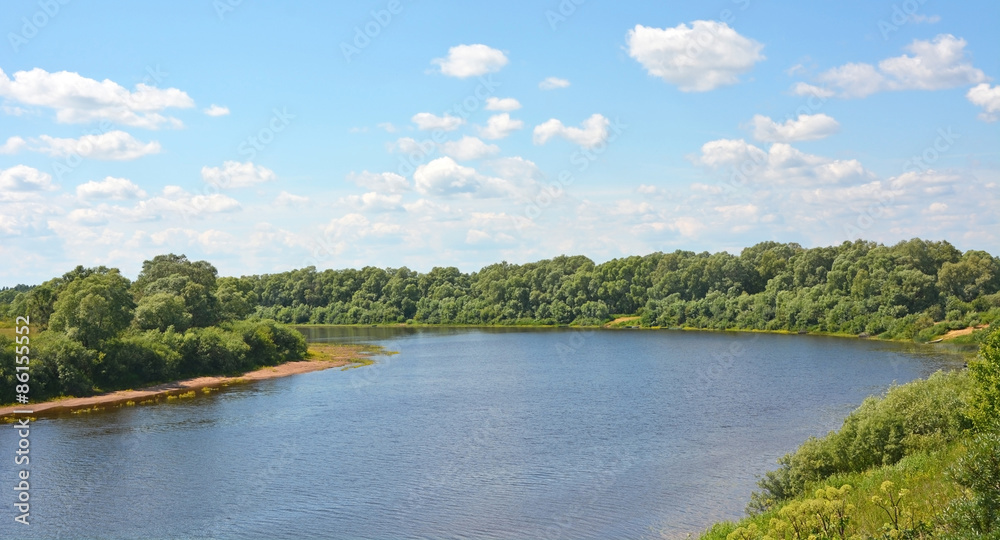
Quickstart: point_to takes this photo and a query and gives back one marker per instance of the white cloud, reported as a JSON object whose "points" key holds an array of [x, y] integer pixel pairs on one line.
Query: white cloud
{"points": [[77, 99], [553, 83], [21, 178], [211, 240], [413, 147], [499, 126], [88, 217], [504, 104], [287, 199], [426, 121], [388, 127], [471, 60], [386, 182], [374, 201], [696, 58], [475, 236], [111, 146], [347, 225], [469, 148], [174, 200], [516, 169], [646, 189], [216, 110], [593, 132], [805, 89], [443, 176], [987, 97], [807, 127], [234, 174], [110, 188], [730, 153], [932, 65], [13, 145], [927, 183], [782, 164]]}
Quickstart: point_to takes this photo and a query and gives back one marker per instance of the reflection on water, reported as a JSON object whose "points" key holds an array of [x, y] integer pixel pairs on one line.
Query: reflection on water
{"points": [[466, 433]]}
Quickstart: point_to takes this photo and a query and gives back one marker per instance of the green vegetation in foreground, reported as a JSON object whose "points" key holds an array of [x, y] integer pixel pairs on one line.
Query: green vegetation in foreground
{"points": [[921, 462], [92, 330]]}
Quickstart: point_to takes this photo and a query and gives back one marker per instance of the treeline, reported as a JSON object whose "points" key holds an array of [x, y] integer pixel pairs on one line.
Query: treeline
{"points": [[912, 290], [921, 462], [93, 330], [178, 318]]}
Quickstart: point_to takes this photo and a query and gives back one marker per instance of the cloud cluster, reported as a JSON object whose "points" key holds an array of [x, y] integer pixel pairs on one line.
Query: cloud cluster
{"points": [[110, 146], [427, 121], [931, 65], [987, 97], [593, 132], [696, 58], [553, 83], [117, 189], [77, 99], [465, 61], [234, 174], [805, 127], [499, 126]]}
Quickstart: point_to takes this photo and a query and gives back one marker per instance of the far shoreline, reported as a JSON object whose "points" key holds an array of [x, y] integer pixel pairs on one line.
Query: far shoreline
{"points": [[320, 356], [613, 326]]}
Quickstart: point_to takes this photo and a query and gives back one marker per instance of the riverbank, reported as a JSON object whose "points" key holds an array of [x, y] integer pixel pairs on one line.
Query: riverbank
{"points": [[631, 323], [320, 356]]}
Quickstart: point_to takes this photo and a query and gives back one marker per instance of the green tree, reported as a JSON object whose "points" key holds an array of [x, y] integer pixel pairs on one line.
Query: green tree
{"points": [[160, 311], [94, 308]]}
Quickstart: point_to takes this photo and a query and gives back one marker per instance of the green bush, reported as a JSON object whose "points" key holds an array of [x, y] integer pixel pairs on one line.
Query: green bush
{"points": [[985, 409], [213, 350], [977, 513], [913, 417]]}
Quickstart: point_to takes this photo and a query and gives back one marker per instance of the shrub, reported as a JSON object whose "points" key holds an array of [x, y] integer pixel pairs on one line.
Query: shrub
{"points": [[909, 418]]}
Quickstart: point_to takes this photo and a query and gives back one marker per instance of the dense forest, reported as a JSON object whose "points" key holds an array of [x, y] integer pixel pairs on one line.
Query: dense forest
{"points": [[93, 330], [912, 290], [104, 332]]}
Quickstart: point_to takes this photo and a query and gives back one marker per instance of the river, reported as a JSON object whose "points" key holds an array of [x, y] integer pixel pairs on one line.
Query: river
{"points": [[465, 433]]}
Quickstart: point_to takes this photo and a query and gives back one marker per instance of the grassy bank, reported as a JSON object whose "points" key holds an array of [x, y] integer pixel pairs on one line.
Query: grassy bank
{"points": [[922, 461]]}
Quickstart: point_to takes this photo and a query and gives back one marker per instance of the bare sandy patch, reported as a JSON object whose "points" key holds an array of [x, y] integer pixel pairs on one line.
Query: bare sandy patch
{"points": [[962, 332]]}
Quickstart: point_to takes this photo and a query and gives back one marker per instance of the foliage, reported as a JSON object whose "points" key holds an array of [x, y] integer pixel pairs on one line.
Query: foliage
{"points": [[105, 333], [918, 416], [977, 513], [93, 309], [913, 290], [985, 410]]}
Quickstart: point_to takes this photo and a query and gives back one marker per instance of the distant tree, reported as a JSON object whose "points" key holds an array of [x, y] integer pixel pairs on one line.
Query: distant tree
{"points": [[94, 308], [160, 311]]}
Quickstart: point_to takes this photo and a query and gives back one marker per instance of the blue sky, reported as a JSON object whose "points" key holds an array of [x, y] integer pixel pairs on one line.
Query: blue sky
{"points": [[266, 137]]}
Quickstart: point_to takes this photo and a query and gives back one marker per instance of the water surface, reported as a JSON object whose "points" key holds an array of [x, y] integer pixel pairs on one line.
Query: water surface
{"points": [[466, 433]]}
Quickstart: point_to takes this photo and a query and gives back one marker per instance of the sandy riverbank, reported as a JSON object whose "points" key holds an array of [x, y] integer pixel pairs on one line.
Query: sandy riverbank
{"points": [[321, 356]]}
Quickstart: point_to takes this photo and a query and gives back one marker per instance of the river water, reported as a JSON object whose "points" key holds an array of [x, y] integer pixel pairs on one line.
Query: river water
{"points": [[465, 433]]}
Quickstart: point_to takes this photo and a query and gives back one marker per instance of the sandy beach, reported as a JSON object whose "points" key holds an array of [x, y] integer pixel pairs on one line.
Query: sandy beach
{"points": [[321, 356]]}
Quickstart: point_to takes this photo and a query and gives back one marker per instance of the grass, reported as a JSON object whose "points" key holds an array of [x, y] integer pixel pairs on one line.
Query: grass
{"points": [[346, 352], [924, 474]]}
